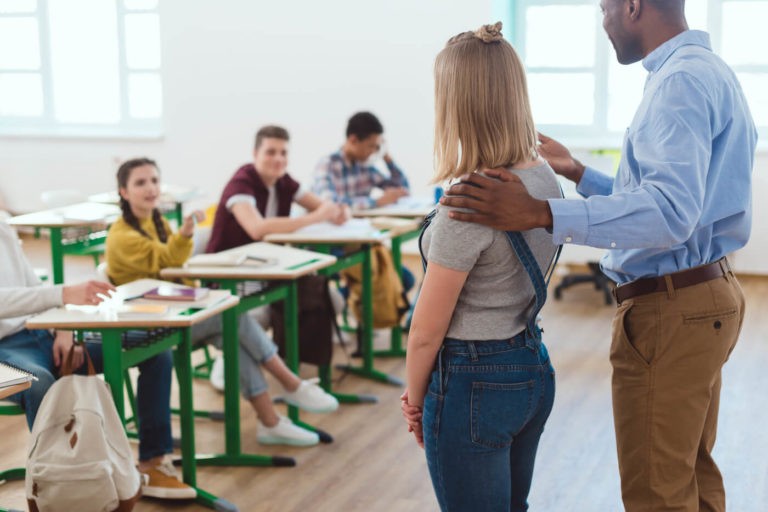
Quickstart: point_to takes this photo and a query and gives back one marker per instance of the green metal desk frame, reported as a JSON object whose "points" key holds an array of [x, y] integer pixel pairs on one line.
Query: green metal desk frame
{"points": [[396, 348], [117, 360], [88, 246], [287, 292], [360, 257]]}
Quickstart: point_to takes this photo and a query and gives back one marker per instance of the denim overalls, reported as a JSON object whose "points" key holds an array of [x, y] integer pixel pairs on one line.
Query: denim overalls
{"points": [[485, 409]]}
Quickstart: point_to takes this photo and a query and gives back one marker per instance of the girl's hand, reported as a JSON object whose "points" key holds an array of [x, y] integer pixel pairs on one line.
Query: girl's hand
{"points": [[187, 228], [413, 415]]}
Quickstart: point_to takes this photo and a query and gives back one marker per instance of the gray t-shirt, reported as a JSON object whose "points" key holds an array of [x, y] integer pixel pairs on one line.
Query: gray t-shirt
{"points": [[498, 293]]}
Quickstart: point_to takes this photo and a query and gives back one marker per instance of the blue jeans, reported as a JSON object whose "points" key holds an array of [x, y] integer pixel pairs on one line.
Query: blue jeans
{"points": [[256, 348], [32, 350], [484, 412]]}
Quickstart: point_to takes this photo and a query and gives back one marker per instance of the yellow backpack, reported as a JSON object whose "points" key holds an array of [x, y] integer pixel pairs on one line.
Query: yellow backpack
{"points": [[389, 300]]}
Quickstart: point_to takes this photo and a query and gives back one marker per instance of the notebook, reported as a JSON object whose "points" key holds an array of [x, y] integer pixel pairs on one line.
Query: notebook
{"points": [[166, 292], [10, 375], [217, 260]]}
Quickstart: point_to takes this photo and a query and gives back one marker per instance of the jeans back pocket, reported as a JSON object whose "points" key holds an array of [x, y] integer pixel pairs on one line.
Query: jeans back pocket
{"points": [[500, 410]]}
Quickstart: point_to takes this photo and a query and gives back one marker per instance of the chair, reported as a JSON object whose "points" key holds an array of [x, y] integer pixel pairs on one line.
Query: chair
{"points": [[595, 276]]}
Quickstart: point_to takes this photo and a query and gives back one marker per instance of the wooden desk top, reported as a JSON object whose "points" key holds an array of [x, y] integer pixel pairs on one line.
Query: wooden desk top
{"points": [[355, 231], [408, 207], [80, 214], [282, 263], [62, 318]]}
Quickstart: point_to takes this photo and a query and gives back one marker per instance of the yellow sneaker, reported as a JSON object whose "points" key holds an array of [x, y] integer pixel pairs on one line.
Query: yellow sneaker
{"points": [[163, 482]]}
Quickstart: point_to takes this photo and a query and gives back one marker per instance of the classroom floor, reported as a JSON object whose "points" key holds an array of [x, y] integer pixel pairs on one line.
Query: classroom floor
{"points": [[374, 466]]}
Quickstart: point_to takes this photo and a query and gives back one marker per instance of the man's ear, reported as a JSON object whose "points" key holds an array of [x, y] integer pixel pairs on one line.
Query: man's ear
{"points": [[634, 7]]}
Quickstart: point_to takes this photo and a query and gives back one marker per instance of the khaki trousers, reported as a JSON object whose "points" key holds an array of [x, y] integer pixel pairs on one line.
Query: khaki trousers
{"points": [[667, 352]]}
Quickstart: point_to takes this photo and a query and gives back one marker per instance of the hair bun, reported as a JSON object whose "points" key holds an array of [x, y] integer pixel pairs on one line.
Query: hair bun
{"points": [[489, 33]]}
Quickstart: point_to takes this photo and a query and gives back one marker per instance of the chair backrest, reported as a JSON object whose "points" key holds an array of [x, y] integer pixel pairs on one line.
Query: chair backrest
{"points": [[63, 197]]}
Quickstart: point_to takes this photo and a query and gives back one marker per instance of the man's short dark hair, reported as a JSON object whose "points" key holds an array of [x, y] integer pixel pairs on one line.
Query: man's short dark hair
{"points": [[364, 124], [270, 132]]}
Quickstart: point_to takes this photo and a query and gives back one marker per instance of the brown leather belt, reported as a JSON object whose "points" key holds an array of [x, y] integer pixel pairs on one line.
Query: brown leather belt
{"points": [[680, 279]]}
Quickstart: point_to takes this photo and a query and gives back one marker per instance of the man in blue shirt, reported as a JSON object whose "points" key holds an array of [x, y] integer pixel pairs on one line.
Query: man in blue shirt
{"points": [[679, 204]]}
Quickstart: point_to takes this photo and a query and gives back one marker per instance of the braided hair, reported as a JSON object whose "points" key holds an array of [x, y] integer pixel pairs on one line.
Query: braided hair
{"points": [[123, 174]]}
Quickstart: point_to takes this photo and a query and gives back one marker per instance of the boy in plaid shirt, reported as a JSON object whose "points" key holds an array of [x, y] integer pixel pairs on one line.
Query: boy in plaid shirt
{"points": [[347, 176]]}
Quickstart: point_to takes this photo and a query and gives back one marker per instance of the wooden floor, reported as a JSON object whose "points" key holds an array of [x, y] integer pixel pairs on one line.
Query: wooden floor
{"points": [[374, 466]]}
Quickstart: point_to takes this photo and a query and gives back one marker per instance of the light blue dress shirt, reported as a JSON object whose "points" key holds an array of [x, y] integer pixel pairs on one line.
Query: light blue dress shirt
{"points": [[682, 194]]}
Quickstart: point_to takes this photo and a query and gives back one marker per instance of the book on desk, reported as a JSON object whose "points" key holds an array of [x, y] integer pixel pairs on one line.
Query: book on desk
{"points": [[170, 292]]}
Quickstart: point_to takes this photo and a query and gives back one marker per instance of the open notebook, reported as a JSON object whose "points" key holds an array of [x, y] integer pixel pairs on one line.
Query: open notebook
{"points": [[228, 259], [10, 375]]}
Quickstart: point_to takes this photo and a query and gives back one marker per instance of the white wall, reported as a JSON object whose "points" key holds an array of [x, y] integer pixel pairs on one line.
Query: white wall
{"points": [[232, 66], [752, 258]]}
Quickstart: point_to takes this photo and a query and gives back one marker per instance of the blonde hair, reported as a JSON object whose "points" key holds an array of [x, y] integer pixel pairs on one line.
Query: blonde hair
{"points": [[482, 113]]}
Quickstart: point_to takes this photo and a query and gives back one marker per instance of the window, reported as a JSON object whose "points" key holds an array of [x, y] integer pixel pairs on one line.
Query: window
{"points": [[580, 93], [80, 68]]}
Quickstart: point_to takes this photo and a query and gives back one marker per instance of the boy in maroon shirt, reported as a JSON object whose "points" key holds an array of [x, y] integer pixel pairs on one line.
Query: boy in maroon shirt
{"points": [[257, 200]]}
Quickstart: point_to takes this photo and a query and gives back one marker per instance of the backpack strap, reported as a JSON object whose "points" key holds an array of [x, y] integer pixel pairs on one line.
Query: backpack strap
{"points": [[66, 367]]}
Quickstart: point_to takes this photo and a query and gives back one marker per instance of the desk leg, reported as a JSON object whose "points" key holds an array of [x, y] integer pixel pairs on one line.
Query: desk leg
{"points": [[179, 215], [292, 353], [231, 381], [396, 338], [57, 255], [367, 369], [182, 356], [112, 355], [234, 455], [183, 362]]}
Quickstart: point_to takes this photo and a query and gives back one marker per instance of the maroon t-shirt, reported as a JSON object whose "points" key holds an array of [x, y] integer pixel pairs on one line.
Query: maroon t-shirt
{"points": [[226, 232]]}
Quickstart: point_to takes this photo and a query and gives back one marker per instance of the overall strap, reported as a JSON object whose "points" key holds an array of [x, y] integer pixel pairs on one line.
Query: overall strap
{"points": [[524, 254], [539, 282], [424, 225]]}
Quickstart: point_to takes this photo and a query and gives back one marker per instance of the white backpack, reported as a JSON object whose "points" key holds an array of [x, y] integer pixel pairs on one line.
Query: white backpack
{"points": [[79, 458]]}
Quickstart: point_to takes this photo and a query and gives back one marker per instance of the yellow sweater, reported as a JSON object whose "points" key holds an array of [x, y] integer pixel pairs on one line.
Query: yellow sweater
{"points": [[131, 256]]}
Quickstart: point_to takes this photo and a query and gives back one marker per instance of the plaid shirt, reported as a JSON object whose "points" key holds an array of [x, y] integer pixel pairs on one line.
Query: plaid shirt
{"points": [[338, 181]]}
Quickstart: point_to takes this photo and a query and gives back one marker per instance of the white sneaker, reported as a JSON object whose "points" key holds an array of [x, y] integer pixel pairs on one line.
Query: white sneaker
{"points": [[285, 432], [312, 398], [217, 373]]}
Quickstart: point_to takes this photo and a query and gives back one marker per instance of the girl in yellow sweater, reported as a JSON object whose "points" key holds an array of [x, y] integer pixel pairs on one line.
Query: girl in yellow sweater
{"points": [[141, 243]]}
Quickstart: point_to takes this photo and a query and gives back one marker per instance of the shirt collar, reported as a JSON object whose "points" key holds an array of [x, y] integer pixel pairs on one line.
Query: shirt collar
{"points": [[654, 60], [340, 155]]}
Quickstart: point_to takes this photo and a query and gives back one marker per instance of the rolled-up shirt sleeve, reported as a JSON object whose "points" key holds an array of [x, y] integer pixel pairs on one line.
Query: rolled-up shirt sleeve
{"points": [[594, 183]]}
